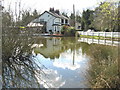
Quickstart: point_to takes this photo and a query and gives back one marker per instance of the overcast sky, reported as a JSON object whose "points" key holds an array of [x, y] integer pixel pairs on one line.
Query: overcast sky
{"points": [[62, 5]]}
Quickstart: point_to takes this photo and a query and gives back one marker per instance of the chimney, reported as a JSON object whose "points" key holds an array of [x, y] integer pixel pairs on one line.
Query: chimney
{"points": [[51, 10], [57, 11]]}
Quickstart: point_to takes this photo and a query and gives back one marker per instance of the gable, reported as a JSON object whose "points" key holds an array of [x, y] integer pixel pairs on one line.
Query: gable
{"points": [[43, 17], [54, 15], [47, 15]]}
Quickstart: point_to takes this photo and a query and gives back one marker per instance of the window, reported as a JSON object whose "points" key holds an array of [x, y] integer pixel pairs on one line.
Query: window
{"points": [[41, 20], [57, 22], [66, 21], [62, 20]]}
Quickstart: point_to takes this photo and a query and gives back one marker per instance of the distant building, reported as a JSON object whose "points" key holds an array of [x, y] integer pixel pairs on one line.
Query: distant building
{"points": [[52, 21], [78, 26], [75, 24]]}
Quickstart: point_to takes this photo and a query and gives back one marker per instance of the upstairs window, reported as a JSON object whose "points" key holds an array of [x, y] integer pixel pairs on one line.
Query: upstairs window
{"points": [[42, 20]]}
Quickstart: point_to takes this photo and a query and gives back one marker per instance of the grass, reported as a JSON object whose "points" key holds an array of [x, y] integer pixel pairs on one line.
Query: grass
{"points": [[104, 67]]}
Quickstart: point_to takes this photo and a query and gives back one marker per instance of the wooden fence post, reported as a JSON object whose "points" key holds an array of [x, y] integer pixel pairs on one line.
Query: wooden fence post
{"points": [[111, 35], [104, 38], [104, 35], [92, 37], [99, 37]]}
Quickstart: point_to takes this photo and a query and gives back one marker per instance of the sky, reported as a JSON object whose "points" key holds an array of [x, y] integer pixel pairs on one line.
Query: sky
{"points": [[62, 5]]}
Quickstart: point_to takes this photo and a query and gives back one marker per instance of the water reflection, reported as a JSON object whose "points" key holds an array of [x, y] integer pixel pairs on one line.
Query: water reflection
{"points": [[47, 77], [52, 44], [18, 68], [65, 56], [36, 62], [50, 79], [99, 41], [69, 60], [104, 65]]}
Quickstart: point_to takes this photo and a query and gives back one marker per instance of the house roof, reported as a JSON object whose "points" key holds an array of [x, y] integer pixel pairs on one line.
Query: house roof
{"points": [[58, 16], [53, 14]]}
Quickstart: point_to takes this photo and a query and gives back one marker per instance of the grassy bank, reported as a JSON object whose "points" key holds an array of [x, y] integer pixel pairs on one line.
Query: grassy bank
{"points": [[104, 68], [104, 71]]}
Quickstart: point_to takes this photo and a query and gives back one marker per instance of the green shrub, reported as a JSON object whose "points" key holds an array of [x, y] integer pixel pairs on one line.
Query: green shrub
{"points": [[68, 31], [104, 67]]}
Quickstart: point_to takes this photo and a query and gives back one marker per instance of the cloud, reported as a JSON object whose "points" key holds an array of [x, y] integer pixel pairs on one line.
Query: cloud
{"points": [[66, 61], [42, 5], [50, 78], [66, 65]]}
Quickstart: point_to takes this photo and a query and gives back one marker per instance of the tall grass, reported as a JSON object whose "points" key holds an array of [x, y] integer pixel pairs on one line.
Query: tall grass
{"points": [[104, 67]]}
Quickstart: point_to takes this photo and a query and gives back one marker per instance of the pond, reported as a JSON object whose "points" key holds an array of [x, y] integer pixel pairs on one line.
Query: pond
{"points": [[56, 62]]}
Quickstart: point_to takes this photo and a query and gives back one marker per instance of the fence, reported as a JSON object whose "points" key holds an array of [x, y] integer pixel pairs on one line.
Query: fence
{"points": [[103, 34]]}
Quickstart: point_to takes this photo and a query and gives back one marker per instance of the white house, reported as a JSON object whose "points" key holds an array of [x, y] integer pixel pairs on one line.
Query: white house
{"points": [[52, 21]]}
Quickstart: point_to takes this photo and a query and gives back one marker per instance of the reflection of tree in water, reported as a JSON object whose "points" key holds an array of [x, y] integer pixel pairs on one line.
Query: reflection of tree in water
{"points": [[16, 63], [18, 68]]}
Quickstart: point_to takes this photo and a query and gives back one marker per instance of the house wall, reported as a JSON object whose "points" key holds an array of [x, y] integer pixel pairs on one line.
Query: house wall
{"points": [[78, 26], [50, 21], [57, 28]]}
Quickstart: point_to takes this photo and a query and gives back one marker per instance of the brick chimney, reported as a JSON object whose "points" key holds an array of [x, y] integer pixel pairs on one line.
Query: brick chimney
{"points": [[57, 11], [52, 10]]}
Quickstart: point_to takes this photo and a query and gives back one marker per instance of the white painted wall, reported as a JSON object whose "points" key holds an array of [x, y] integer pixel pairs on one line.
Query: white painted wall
{"points": [[57, 21], [50, 21]]}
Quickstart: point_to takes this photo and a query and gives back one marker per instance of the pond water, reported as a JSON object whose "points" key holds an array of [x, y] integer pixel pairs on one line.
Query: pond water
{"points": [[51, 62], [65, 62]]}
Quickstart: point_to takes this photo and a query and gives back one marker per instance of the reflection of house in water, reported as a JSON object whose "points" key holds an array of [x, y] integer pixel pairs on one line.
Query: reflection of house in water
{"points": [[51, 49], [56, 47]]}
